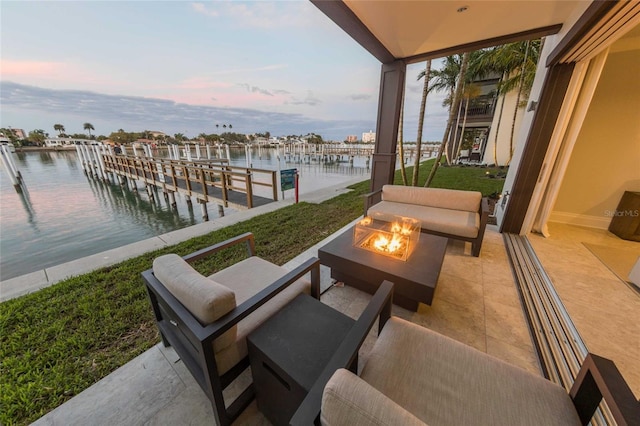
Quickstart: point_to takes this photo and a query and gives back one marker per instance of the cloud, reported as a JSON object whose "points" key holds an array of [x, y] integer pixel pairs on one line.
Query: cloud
{"points": [[310, 99], [272, 67], [200, 83], [30, 68], [360, 97], [201, 8], [281, 92], [134, 113], [263, 15], [255, 89]]}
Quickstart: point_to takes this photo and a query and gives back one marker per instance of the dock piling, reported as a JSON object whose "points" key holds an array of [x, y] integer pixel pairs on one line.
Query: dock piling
{"points": [[203, 209], [10, 167]]}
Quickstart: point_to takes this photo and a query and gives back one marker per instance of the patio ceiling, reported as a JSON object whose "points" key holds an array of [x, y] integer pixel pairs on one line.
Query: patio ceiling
{"points": [[418, 30]]}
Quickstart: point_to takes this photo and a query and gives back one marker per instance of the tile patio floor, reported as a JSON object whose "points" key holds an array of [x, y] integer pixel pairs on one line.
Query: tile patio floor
{"points": [[604, 309]]}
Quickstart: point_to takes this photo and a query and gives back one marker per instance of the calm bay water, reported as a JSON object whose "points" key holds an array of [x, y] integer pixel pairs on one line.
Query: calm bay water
{"points": [[64, 215]]}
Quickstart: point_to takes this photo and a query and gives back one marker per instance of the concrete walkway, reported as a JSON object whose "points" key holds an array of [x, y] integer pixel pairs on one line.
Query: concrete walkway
{"points": [[34, 281]]}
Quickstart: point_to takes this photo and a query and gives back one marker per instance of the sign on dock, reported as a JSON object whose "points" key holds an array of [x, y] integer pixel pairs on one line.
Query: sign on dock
{"points": [[288, 179]]}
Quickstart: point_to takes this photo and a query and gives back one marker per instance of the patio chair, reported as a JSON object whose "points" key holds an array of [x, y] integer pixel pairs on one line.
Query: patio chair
{"points": [[415, 376], [207, 319]]}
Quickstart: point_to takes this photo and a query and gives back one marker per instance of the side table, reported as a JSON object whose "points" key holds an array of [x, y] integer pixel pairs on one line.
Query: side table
{"points": [[289, 351]]}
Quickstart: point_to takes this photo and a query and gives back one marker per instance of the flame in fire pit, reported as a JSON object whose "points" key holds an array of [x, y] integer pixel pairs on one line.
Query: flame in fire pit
{"points": [[388, 245], [403, 229], [392, 239]]}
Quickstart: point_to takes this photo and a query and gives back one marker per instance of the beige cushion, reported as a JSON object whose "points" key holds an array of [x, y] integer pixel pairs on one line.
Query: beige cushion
{"points": [[206, 299], [451, 199], [348, 400], [246, 278], [443, 382], [210, 298], [454, 222]]}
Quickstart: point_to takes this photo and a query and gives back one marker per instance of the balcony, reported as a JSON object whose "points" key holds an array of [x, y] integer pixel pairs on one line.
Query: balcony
{"points": [[476, 302], [480, 109]]}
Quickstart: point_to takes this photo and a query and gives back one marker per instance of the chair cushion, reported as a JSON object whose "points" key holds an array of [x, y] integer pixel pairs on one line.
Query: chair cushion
{"points": [[454, 222], [246, 278], [444, 382], [206, 299], [348, 400], [451, 199]]}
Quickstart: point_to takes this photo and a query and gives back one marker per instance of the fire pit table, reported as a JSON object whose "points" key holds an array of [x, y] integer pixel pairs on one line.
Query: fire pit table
{"points": [[415, 275]]}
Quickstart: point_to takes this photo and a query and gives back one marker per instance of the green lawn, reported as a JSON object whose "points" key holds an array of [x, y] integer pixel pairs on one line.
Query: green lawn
{"points": [[60, 340]]}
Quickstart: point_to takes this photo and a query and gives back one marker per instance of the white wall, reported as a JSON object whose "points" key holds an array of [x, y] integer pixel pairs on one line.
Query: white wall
{"points": [[503, 152], [606, 158]]}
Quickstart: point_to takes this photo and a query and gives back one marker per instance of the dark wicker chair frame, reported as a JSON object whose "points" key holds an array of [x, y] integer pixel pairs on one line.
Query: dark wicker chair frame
{"points": [[193, 342], [476, 243]]}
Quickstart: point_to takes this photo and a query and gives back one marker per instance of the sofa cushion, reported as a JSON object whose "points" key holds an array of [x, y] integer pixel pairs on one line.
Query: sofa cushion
{"points": [[443, 382], [205, 298], [348, 400], [451, 199], [455, 222], [246, 278]]}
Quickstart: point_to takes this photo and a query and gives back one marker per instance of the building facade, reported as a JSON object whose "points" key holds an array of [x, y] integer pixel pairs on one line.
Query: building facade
{"points": [[369, 137]]}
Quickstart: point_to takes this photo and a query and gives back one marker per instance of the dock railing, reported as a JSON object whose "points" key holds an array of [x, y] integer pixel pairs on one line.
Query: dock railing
{"points": [[206, 180]]}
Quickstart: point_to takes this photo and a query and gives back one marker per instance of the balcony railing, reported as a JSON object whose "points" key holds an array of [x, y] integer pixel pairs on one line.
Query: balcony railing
{"points": [[479, 107]]}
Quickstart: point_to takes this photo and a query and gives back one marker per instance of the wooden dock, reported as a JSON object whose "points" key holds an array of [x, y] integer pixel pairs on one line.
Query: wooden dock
{"points": [[204, 180], [308, 153]]}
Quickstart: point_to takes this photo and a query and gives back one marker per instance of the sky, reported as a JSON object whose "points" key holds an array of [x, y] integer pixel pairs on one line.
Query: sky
{"points": [[183, 67]]}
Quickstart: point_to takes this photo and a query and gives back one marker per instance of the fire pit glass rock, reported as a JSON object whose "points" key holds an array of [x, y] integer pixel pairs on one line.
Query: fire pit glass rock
{"points": [[394, 239]]}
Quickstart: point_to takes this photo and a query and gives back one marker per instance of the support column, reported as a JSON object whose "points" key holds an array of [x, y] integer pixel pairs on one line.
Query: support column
{"points": [[220, 210], [389, 104]]}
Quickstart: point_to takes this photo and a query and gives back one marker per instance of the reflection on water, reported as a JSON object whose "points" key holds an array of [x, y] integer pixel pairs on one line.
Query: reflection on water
{"points": [[63, 215]]}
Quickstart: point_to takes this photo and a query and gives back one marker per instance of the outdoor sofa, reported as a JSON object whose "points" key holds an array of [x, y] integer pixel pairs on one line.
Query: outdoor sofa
{"points": [[449, 213], [415, 376]]}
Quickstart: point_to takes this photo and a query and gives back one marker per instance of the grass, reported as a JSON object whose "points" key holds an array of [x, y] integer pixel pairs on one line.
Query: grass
{"points": [[58, 341]]}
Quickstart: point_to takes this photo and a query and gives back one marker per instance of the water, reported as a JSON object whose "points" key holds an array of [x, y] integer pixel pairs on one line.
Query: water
{"points": [[64, 215]]}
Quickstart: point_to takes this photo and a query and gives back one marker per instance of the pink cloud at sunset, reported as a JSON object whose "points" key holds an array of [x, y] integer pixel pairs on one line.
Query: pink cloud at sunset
{"points": [[63, 75], [200, 83], [12, 69]]}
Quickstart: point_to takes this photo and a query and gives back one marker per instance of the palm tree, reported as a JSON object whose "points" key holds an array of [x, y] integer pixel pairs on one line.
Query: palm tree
{"points": [[517, 63], [88, 127], [230, 126], [179, 137], [224, 126], [470, 91], [457, 95], [59, 128], [217, 126], [445, 79], [403, 170], [426, 74]]}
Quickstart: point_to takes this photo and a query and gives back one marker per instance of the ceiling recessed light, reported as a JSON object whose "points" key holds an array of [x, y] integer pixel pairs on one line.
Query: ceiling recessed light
{"points": [[463, 9]]}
